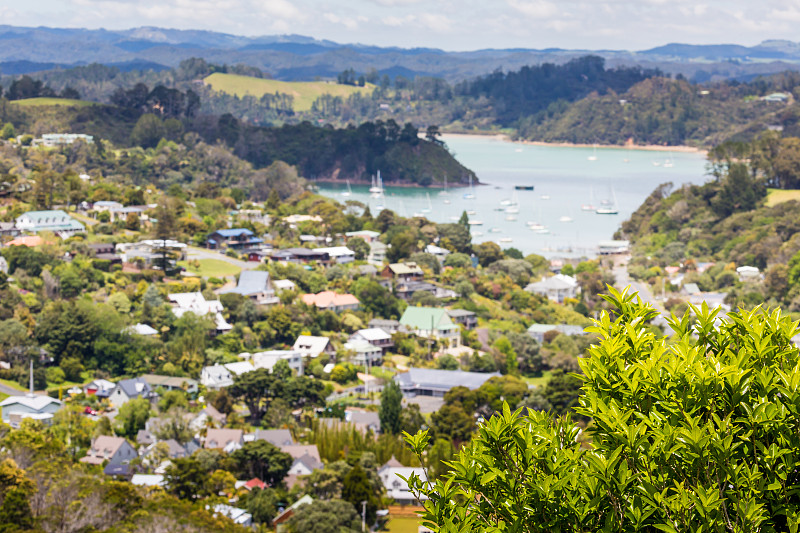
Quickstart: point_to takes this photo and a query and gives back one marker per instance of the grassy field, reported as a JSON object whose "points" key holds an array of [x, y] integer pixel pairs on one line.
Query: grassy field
{"points": [[211, 268], [13, 385], [30, 102], [541, 381], [403, 525], [304, 92], [778, 196]]}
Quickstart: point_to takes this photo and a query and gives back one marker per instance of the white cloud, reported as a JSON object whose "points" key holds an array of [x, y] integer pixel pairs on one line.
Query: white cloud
{"points": [[538, 9]]}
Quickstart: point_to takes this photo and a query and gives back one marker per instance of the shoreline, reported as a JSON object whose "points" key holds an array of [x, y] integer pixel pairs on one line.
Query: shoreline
{"points": [[643, 147], [331, 181]]}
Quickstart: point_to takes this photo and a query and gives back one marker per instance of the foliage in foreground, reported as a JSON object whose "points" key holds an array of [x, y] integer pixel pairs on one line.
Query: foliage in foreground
{"points": [[698, 435]]}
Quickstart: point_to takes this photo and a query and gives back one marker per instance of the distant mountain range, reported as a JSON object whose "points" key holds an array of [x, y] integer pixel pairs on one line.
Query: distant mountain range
{"points": [[295, 57]]}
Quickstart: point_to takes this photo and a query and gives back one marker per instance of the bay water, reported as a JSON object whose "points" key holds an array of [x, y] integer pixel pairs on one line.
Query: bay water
{"points": [[554, 219]]}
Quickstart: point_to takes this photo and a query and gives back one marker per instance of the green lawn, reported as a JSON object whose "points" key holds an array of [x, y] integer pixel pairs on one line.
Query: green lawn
{"points": [[778, 196], [211, 268], [13, 385], [541, 381], [30, 102], [304, 92], [403, 525]]}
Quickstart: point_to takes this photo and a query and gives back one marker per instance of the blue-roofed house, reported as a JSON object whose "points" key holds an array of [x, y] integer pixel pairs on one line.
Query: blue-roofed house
{"points": [[130, 389], [56, 221], [234, 238], [254, 284]]}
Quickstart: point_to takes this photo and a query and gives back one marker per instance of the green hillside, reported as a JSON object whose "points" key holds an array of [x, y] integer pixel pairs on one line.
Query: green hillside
{"points": [[303, 92], [44, 101]]}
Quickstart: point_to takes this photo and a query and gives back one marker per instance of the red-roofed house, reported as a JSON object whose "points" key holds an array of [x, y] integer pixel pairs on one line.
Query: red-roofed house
{"points": [[329, 300], [255, 483]]}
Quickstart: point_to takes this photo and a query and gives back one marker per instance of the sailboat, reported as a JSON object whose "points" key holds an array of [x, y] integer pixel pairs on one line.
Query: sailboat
{"points": [[608, 207], [668, 161], [513, 207], [593, 157], [471, 194], [430, 207], [566, 218], [444, 192], [348, 192], [376, 187]]}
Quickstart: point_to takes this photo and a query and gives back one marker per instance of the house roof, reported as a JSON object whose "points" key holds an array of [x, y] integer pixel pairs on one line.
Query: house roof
{"points": [[250, 282], [405, 268], [155, 380], [557, 282], [219, 438], [284, 284], [326, 299], [142, 329], [423, 317], [103, 447], [148, 480], [453, 313], [35, 402], [373, 334], [299, 450], [135, 387], [336, 251], [255, 483], [692, 288], [360, 346], [239, 368], [391, 463], [561, 328], [443, 380], [26, 240], [363, 233], [311, 462], [364, 419], [55, 219], [234, 232], [278, 437], [436, 250], [313, 345]]}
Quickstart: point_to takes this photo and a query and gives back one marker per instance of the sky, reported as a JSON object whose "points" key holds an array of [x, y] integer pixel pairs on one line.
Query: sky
{"points": [[445, 24]]}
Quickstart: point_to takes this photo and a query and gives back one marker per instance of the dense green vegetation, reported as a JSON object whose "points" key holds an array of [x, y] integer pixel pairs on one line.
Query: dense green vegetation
{"points": [[700, 434]]}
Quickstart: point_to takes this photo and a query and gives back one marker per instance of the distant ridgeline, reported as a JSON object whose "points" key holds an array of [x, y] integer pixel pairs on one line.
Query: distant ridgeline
{"points": [[731, 220]]}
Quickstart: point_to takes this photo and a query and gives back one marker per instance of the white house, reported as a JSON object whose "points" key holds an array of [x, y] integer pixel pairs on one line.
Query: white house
{"points": [[195, 302], [396, 488], [284, 285], [748, 273], [269, 358], [219, 376], [41, 408], [438, 252], [556, 288], [130, 389], [56, 221], [377, 252], [374, 336], [364, 352], [313, 347], [254, 284], [305, 465]]}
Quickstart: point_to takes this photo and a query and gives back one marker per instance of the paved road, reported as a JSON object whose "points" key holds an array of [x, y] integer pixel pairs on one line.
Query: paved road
{"points": [[200, 253], [11, 391], [623, 279]]}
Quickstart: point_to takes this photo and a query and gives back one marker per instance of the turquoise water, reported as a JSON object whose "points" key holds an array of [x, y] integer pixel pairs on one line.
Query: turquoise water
{"points": [[566, 175]]}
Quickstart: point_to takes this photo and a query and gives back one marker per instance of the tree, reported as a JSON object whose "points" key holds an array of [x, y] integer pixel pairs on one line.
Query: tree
{"points": [[148, 131], [326, 516], [696, 434], [411, 419], [356, 489], [262, 504], [263, 460], [186, 478], [360, 247], [452, 422], [132, 222], [132, 416], [488, 252], [391, 406]]}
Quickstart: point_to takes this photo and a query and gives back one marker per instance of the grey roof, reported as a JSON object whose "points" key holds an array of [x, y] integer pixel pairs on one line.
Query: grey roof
{"points": [[311, 462], [135, 387], [145, 437], [250, 282], [692, 288], [175, 449], [441, 380], [364, 418], [278, 437], [459, 312], [561, 328]]}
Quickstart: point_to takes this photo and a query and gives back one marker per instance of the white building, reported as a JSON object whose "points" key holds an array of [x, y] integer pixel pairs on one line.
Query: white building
{"points": [[556, 288], [364, 352], [313, 347], [56, 221], [748, 273], [438, 252], [269, 358], [396, 488], [220, 376], [41, 408], [339, 254], [194, 302]]}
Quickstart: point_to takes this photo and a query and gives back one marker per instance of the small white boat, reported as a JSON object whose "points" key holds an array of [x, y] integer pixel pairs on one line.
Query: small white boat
{"points": [[593, 157], [543, 231], [470, 212], [656, 163], [477, 234], [518, 150], [430, 206], [348, 192], [475, 223], [511, 217], [544, 197], [512, 210], [607, 211], [495, 230], [535, 226], [446, 201], [471, 194], [505, 202], [444, 192], [565, 218], [419, 215], [376, 185]]}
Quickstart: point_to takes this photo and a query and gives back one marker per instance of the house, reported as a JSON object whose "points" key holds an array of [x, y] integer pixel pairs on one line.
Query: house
{"points": [[375, 336], [105, 251], [465, 318], [116, 210], [100, 387], [171, 383], [115, 450], [220, 376], [313, 347], [339, 254], [276, 437], [259, 255], [299, 450], [368, 235], [8, 229], [269, 358], [194, 302], [56, 221], [432, 322], [17, 408], [238, 516], [537, 331], [613, 247], [433, 382], [130, 389], [228, 440], [439, 253], [367, 270], [145, 438], [748, 273], [776, 97], [364, 420], [173, 449], [300, 256], [305, 465], [406, 290], [377, 252], [284, 285], [205, 417], [403, 272], [330, 301], [234, 239], [396, 488], [389, 326], [255, 285], [280, 520], [150, 251], [142, 329], [148, 480], [52, 140], [556, 288], [364, 352], [691, 289]]}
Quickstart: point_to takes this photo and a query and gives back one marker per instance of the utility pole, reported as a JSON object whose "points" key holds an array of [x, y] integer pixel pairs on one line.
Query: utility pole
{"points": [[363, 516]]}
